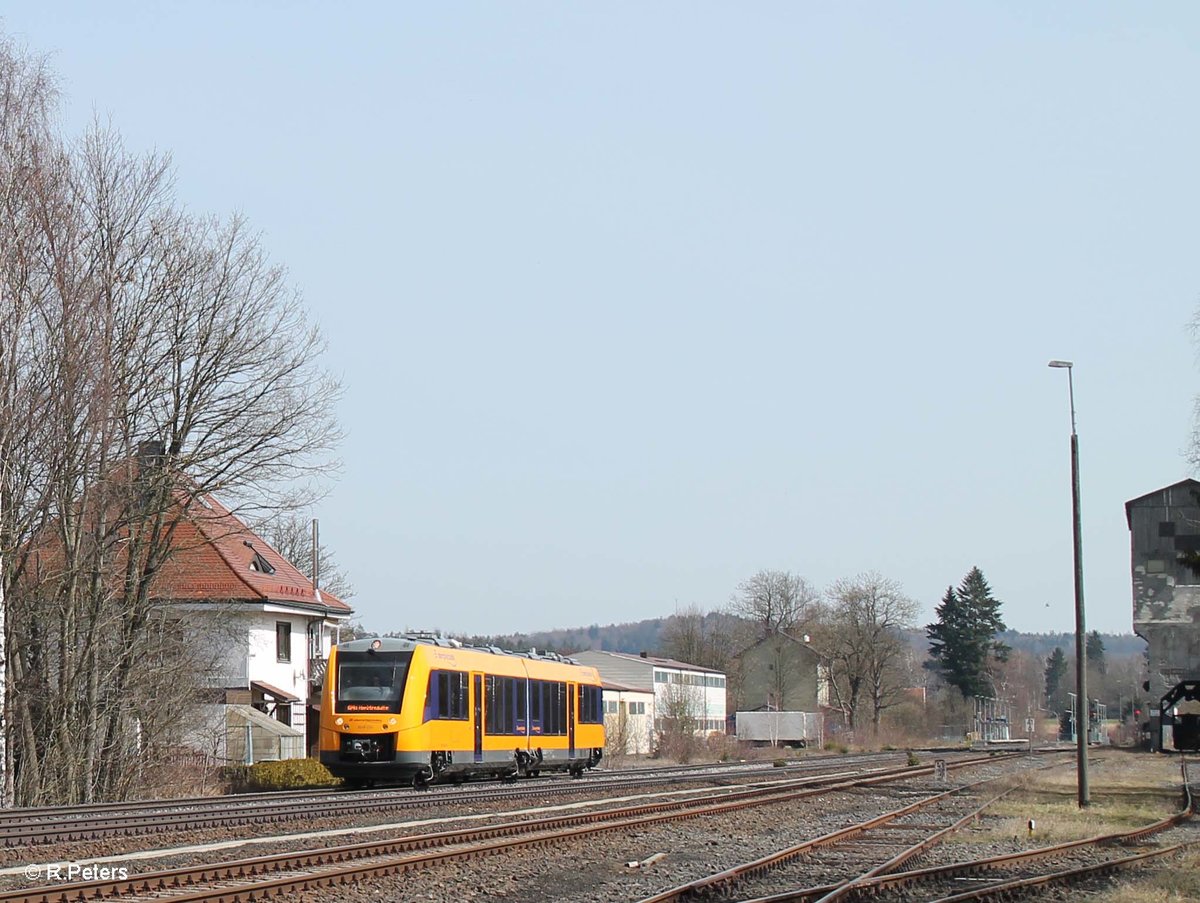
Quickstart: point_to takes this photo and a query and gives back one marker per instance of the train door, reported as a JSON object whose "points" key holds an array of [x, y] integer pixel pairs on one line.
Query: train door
{"points": [[477, 680], [572, 699]]}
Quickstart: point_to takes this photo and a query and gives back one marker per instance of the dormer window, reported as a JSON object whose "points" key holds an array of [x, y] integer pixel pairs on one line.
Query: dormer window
{"points": [[258, 563]]}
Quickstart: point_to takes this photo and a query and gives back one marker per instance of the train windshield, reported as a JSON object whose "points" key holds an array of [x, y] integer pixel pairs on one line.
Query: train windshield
{"points": [[371, 681]]}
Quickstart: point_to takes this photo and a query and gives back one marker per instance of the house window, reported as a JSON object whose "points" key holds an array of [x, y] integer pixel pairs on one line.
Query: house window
{"points": [[258, 563], [283, 641]]}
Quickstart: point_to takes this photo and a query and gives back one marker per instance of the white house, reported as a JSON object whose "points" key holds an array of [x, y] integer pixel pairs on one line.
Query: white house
{"points": [[676, 686], [269, 627], [628, 719]]}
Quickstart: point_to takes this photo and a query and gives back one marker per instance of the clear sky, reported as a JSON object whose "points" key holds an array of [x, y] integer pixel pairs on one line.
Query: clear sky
{"points": [[633, 300]]}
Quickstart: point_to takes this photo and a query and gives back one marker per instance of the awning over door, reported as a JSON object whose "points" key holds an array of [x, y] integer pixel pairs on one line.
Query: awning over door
{"points": [[274, 692]]}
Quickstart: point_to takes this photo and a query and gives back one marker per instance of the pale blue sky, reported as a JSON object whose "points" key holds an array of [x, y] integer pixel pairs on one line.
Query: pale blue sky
{"points": [[634, 300]]}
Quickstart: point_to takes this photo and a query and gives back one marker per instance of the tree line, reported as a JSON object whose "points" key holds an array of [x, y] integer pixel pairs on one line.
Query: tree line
{"points": [[858, 627], [862, 629]]}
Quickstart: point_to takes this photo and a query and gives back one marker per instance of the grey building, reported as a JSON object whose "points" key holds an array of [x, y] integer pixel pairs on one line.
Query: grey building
{"points": [[1164, 528], [780, 673]]}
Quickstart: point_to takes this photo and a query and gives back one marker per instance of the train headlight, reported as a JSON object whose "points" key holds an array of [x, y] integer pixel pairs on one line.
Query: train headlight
{"points": [[338, 720], [392, 722]]}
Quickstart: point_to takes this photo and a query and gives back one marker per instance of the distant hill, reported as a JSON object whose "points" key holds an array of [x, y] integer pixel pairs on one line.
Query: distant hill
{"points": [[644, 636], [639, 636], [1116, 645]]}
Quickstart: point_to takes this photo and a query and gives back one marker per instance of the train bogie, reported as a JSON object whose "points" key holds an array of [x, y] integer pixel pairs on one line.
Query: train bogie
{"points": [[423, 709]]}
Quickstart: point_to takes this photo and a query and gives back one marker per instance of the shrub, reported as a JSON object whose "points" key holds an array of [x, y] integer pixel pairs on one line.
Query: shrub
{"points": [[912, 759], [288, 774], [721, 747]]}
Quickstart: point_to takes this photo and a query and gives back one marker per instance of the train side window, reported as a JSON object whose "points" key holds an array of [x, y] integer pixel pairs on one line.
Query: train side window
{"points": [[554, 708], [521, 694], [535, 707], [447, 698], [547, 707], [505, 706], [591, 708], [458, 695]]}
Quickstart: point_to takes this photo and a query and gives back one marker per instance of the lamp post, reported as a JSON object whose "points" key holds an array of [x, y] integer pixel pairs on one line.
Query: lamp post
{"points": [[1082, 715]]}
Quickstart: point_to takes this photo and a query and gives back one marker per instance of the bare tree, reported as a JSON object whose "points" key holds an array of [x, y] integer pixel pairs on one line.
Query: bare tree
{"points": [[27, 94], [862, 647], [290, 533], [775, 600], [707, 640], [617, 734], [681, 710], [147, 359]]}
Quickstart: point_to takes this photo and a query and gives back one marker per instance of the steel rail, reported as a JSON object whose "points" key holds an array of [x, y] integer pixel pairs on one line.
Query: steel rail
{"points": [[225, 813], [1005, 889], [46, 813], [13, 819], [576, 825], [719, 880], [873, 885]]}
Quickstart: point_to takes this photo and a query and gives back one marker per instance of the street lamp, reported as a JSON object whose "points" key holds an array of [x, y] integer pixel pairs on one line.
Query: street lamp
{"points": [[1082, 715]]}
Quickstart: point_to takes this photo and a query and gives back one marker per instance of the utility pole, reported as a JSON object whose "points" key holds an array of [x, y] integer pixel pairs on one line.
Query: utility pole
{"points": [[1082, 716]]}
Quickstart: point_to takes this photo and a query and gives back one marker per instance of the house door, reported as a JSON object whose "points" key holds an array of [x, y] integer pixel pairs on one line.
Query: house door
{"points": [[478, 681]]}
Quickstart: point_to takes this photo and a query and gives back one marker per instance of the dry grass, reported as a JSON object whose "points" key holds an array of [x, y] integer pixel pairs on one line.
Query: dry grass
{"points": [[1173, 882], [1128, 790]]}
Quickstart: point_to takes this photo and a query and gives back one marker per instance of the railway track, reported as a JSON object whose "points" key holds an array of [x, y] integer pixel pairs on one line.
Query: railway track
{"points": [[869, 875], [288, 874], [25, 827]]}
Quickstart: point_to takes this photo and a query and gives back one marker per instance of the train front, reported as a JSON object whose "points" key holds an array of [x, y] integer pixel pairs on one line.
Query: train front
{"points": [[362, 711]]}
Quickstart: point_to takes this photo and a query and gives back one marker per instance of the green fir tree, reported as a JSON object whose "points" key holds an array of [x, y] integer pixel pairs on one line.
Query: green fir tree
{"points": [[1095, 653], [1056, 670], [963, 642]]}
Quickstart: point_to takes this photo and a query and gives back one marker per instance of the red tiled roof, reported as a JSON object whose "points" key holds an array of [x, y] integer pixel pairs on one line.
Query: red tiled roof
{"points": [[211, 561]]}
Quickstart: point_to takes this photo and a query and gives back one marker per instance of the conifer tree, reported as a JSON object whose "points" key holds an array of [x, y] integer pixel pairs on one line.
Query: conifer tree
{"points": [[963, 642], [1056, 670], [1095, 653]]}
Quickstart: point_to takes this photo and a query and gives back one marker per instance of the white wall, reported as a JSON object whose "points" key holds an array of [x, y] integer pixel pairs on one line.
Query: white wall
{"points": [[221, 648], [264, 664], [709, 701], [639, 728]]}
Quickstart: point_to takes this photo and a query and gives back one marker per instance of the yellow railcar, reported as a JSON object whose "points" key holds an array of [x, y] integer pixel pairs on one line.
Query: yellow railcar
{"points": [[424, 708]]}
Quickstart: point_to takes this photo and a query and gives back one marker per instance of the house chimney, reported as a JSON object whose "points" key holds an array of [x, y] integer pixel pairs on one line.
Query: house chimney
{"points": [[316, 555], [151, 452]]}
